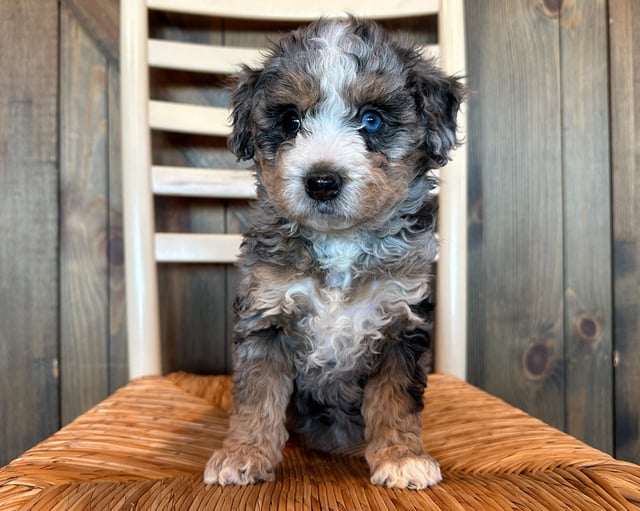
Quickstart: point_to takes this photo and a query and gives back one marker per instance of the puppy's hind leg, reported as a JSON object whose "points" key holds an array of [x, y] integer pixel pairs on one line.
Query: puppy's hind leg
{"points": [[392, 409], [263, 382]]}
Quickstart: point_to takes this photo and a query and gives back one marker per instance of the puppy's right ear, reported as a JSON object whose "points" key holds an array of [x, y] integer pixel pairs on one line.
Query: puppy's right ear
{"points": [[240, 142]]}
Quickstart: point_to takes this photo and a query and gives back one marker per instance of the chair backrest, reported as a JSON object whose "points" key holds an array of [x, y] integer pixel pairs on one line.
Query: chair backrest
{"points": [[144, 247]]}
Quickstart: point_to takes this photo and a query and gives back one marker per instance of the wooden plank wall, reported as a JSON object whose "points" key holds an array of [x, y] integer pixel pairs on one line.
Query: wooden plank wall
{"points": [[624, 51], [540, 289], [554, 138], [91, 273], [586, 213], [29, 369], [516, 249]]}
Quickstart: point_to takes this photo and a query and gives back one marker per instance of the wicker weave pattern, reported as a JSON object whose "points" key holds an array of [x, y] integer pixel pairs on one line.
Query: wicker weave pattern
{"points": [[145, 447]]}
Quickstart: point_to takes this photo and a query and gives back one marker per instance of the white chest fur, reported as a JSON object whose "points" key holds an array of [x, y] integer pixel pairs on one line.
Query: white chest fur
{"points": [[342, 329], [338, 319], [339, 326], [336, 256]]}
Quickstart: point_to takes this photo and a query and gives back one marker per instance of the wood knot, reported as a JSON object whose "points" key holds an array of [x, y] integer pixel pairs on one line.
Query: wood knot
{"points": [[588, 328], [538, 359], [552, 8]]}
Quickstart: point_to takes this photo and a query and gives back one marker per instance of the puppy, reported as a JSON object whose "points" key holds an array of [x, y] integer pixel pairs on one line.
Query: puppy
{"points": [[345, 125]]}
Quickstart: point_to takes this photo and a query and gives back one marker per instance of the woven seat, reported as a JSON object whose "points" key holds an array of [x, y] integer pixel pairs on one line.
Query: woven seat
{"points": [[145, 448]]}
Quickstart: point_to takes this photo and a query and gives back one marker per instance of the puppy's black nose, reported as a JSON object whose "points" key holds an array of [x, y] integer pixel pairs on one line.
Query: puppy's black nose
{"points": [[323, 185]]}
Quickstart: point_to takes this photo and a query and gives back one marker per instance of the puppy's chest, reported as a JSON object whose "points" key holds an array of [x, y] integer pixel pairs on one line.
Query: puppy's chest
{"points": [[342, 329], [337, 260], [338, 315]]}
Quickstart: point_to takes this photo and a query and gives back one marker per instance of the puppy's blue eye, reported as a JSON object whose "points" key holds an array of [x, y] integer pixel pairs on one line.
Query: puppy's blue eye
{"points": [[371, 122], [291, 122]]}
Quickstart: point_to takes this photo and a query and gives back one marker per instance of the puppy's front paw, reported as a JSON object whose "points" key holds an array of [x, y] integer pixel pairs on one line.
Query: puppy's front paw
{"points": [[413, 472], [238, 465]]}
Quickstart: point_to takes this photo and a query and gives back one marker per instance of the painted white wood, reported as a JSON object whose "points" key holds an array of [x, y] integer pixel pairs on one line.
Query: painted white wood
{"points": [[451, 310], [197, 248], [143, 326], [204, 58], [200, 182], [299, 11], [185, 118]]}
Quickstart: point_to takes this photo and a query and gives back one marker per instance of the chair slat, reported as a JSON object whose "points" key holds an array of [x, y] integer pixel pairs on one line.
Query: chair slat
{"points": [[197, 248], [206, 58], [200, 182], [202, 58], [298, 11], [201, 120]]}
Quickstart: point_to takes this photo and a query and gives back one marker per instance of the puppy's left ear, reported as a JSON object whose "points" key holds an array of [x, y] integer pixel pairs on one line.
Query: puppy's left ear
{"points": [[240, 142], [438, 98]]}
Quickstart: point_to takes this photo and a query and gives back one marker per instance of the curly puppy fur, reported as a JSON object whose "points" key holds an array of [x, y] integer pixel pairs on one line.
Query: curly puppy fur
{"points": [[345, 125]]}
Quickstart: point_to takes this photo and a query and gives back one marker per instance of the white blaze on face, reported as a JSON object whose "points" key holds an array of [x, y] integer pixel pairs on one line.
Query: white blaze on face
{"points": [[330, 134]]}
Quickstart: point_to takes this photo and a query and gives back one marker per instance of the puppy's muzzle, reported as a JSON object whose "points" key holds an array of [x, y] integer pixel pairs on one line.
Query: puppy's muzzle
{"points": [[323, 185]]}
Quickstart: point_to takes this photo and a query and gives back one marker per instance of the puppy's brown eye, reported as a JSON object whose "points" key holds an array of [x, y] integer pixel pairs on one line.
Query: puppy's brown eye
{"points": [[291, 122]]}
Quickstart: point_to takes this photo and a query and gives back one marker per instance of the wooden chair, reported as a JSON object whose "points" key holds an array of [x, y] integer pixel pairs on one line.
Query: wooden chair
{"points": [[145, 446], [140, 114]]}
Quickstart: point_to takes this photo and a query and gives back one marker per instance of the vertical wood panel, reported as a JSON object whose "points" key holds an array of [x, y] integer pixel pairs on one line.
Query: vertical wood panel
{"points": [[514, 124], [28, 224], [84, 277], [118, 363], [100, 21], [587, 223], [624, 54]]}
